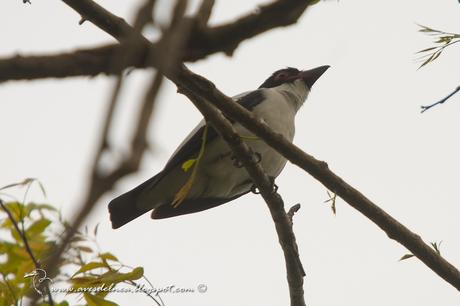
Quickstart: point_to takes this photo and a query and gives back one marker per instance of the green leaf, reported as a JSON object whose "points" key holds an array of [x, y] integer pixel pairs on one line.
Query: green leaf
{"points": [[108, 256], [117, 277], [40, 246], [26, 181], [407, 256], [78, 238], [436, 55], [85, 249], [332, 199], [17, 210], [41, 207], [185, 189], [94, 300], [84, 281], [95, 229], [90, 266], [42, 188], [22, 183], [110, 277], [37, 228], [429, 59], [188, 164], [427, 49], [137, 273], [249, 137]]}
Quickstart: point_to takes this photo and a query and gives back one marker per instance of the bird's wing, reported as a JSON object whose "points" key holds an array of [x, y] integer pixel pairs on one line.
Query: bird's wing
{"points": [[190, 206], [121, 209], [190, 147], [250, 99]]}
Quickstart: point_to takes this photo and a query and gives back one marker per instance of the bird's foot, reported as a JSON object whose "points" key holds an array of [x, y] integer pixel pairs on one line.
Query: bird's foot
{"points": [[236, 162], [274, 186], [255, 190], [256, 157]]}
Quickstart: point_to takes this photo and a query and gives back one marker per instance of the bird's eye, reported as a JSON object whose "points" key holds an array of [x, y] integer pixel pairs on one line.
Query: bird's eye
{"points": [[281, 76]]}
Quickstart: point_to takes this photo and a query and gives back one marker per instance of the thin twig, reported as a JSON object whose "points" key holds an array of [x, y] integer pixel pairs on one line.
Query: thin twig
{"points": [[427, 107], [205, 12], [291, 212], [28, 249], [138, 287], [105, 20], [144, 15]]}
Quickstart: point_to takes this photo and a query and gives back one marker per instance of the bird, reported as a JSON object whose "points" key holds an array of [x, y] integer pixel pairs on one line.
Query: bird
{"points": [[203, 173]]}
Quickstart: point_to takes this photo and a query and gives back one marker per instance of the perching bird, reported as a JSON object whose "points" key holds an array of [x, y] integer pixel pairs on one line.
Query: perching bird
{"points": [[203, 173]]}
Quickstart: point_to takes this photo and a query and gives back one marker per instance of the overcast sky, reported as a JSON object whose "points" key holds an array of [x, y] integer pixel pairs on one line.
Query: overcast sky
{"points": [[362, 117]]}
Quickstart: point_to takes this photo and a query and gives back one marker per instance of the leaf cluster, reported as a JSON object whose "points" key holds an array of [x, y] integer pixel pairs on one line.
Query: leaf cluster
{"points": [[28, 235], [442, 41]]}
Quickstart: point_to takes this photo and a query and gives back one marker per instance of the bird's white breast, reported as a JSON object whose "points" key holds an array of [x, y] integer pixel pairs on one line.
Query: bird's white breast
{"points": [[278, 111]]}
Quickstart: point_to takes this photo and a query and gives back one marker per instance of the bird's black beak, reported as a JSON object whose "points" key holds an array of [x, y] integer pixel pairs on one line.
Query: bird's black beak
{"points": [[312, 75]]}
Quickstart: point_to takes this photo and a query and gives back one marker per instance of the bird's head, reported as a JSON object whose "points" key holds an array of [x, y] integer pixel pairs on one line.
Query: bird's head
{"points": [[289, 75]]}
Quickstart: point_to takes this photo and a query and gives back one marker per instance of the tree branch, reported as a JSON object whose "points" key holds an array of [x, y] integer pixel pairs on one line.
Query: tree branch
{"points": [[427, 107], [265, 185], [85, 62], [202, 42], [227, 37], [105, 20], [206, 90]]}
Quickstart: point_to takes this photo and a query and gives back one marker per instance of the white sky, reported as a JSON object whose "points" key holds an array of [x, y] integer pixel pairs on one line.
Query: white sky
{"points": [[362, 118]]}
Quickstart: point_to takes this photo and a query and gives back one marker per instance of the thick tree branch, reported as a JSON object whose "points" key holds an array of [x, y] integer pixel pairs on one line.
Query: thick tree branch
{"points": [[265, 185], [202, 42], [89, 62], [105, 20], [320, 171], [227, 37]]}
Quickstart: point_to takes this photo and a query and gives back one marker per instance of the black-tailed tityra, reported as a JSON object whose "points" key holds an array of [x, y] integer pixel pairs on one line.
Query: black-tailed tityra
{"points": [[203, 173]]}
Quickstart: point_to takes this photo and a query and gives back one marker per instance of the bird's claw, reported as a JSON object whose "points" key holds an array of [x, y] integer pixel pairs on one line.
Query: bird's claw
{"points": [[274, 186], [256, 157], [236, 162], [255, 190]]}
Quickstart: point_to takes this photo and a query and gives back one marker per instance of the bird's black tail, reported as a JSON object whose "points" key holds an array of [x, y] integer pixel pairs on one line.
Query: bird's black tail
{"points": [[125, 207]]}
